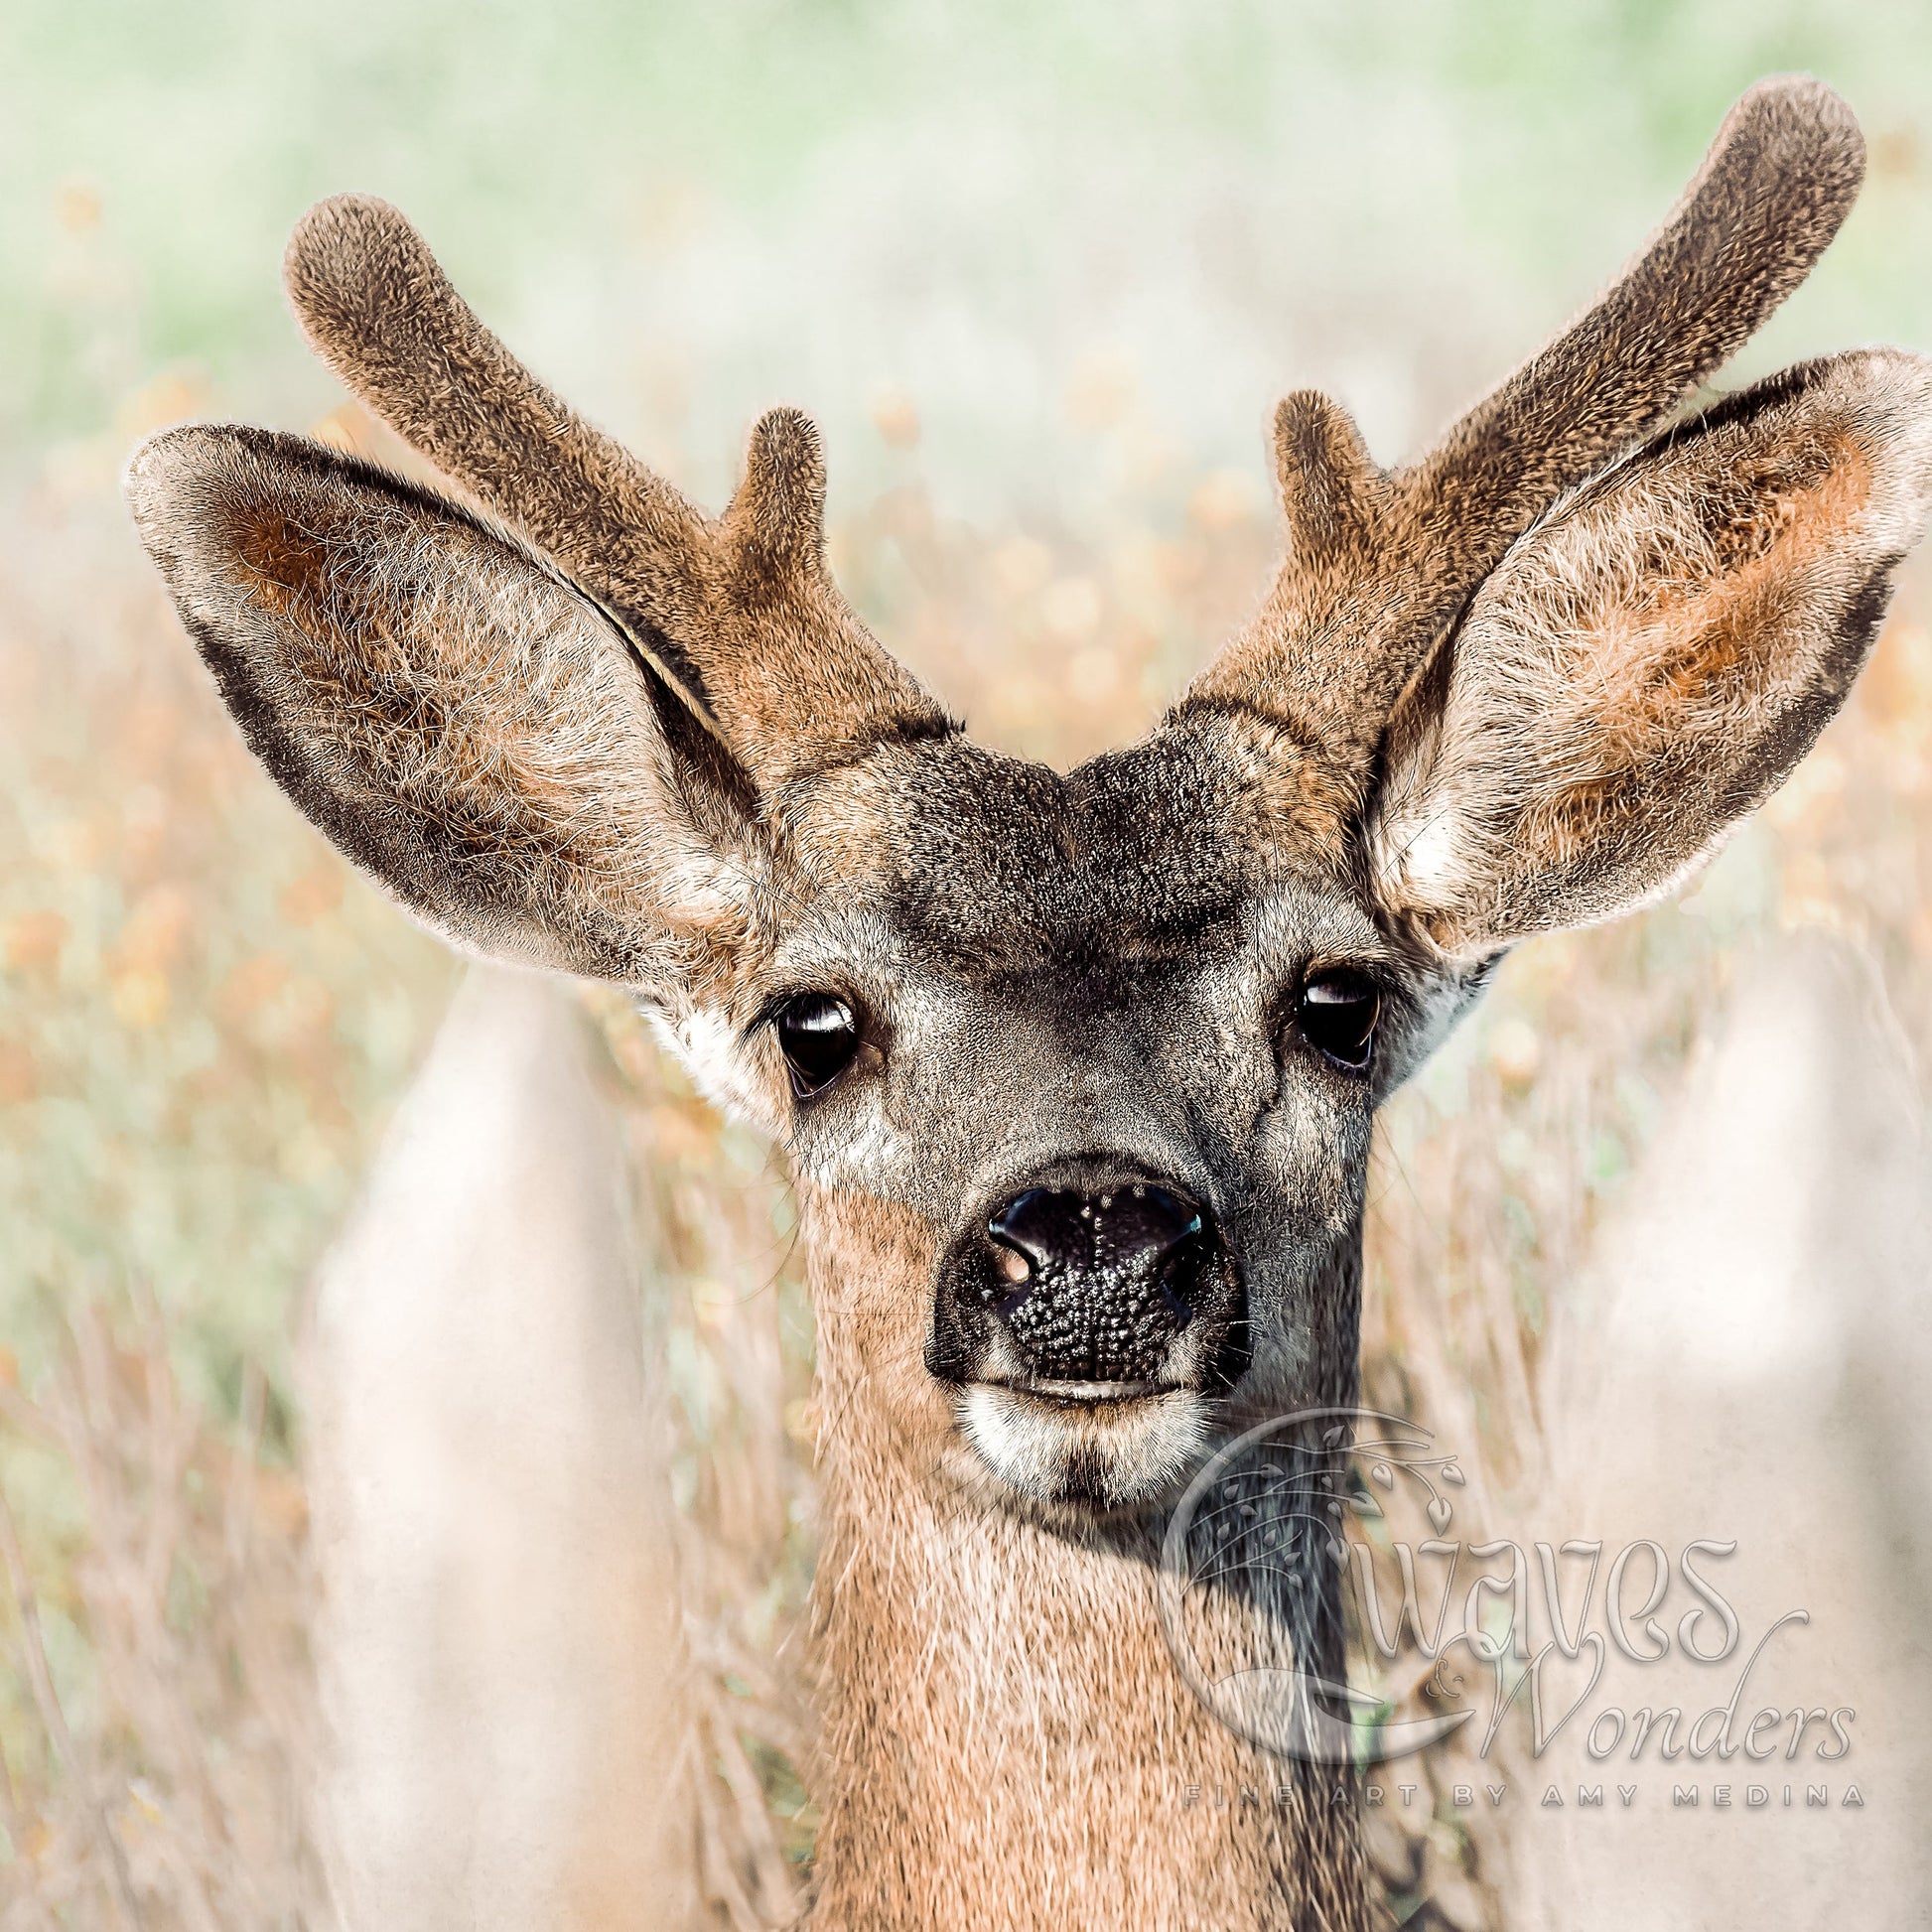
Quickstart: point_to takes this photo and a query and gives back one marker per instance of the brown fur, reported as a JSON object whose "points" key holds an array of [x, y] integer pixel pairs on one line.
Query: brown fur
{"points": [[1527, 681]]}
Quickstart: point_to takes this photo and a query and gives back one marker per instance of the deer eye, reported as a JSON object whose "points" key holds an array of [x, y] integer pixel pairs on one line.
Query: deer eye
{"points": [[818, 1035], [1337, 1012]]}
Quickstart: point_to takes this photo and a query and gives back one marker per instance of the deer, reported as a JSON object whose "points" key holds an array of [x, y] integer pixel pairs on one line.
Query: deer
{"points": [[1075, 1072]]}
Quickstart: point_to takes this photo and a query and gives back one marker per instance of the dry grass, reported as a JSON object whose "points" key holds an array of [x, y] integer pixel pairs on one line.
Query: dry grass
{"points": [[162, 1781], [205, 1019], [198, 1028]]}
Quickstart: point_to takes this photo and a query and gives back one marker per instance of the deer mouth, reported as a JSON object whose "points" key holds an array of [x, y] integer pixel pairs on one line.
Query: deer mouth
{"points": [[1082, 1396], [1117, 1448]]}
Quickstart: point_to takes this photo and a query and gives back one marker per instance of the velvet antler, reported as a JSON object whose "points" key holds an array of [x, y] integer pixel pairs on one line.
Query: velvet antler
{"points": [[1380, 563], [738, 613]]}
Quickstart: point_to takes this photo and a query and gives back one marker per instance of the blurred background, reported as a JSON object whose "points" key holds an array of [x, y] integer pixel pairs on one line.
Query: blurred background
{"points": [[1040, 273]]}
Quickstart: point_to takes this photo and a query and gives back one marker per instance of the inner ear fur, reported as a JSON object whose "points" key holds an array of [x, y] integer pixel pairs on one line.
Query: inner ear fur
{"points": [[463, 722], [1651, 661]]}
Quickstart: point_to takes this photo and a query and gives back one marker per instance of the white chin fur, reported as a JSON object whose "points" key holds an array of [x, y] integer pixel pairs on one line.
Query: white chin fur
{"points": [[1114, 1452]]}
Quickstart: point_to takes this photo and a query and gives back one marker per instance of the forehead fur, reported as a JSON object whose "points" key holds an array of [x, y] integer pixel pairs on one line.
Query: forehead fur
{"points": [[1006, 866]]}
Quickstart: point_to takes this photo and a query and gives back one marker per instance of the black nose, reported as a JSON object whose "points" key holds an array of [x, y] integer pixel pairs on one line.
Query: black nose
{"points": [[1094, 1287]]}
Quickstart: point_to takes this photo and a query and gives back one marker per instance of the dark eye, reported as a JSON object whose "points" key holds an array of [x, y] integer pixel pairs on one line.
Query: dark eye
{"points": [[1337, 1012], [818, 1036]]}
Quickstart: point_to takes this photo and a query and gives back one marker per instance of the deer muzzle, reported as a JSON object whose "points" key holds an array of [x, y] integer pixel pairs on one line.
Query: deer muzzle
{"points": [[1100, 1287]]}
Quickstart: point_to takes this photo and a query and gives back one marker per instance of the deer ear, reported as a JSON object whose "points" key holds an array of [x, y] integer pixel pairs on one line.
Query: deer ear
{"points": [[1648, 664], [464, 723]]}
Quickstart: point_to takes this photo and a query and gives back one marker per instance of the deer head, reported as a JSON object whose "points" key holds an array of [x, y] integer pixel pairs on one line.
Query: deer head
{"points": [[1075, 1070]]}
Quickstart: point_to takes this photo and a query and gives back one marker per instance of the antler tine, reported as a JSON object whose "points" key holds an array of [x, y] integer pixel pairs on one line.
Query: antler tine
{"points": [[1777, 183], [1379, 562], [698, 598], [378, 310]]}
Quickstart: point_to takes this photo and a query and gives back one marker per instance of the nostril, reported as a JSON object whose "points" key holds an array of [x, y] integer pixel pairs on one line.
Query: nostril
{"points": [[1172, 1220], [1049, 1228], [1015, 1260], [1023, 1230]]}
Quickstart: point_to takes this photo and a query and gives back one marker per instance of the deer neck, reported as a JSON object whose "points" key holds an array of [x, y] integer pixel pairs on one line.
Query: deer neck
{"points": [[1006, 1740]]}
